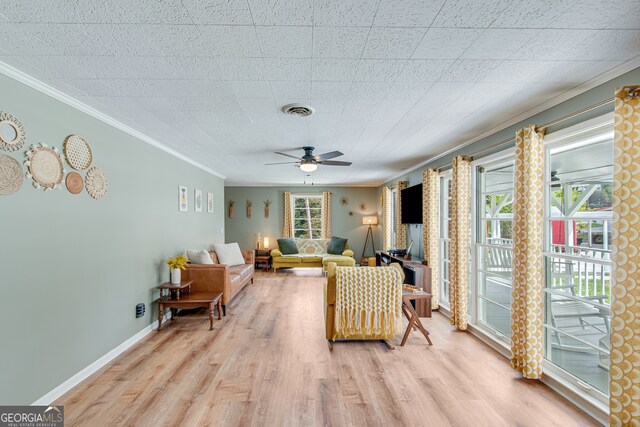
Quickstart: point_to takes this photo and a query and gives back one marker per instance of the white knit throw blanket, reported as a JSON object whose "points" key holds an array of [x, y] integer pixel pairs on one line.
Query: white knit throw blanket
{"points": [[368, 301]]}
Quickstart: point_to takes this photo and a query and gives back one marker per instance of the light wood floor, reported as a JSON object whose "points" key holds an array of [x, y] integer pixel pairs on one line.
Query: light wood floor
{"points": [[267, 363]]}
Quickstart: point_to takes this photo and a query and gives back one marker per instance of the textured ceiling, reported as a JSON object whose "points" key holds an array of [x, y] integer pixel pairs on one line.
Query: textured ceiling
{"points": [[393, 82]]}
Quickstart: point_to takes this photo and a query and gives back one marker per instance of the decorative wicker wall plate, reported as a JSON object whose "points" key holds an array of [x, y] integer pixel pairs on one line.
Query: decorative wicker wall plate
{"points": [[45, 166], [74, 182], [12, 134], [77, 152], [96, 183], [11, 176]]}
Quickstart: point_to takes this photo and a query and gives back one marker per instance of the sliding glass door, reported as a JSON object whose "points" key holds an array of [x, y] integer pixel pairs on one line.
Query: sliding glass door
{"points": [[494, 246]]}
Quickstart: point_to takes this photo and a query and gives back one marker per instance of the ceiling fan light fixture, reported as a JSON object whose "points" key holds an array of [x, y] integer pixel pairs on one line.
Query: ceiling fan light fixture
{"points": [[308, 167]]}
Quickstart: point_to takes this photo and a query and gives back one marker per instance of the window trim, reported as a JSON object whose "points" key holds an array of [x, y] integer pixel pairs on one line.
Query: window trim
{"points": [[495, 160], [597, 129], [293, 210], [444, 175]]}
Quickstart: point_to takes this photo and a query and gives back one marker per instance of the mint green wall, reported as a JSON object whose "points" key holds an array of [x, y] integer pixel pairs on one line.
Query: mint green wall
{"points": [[245, 230], [570, 106], [73, 268]]}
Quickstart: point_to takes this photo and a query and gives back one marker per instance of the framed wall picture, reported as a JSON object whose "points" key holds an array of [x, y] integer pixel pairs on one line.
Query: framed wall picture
{"points": [[210, 202], [183, 199], [198, 200]]}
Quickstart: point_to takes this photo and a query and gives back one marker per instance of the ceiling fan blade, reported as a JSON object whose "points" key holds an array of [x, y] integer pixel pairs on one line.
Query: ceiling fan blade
{"points": [[288, 155], [327, 156], [334, 163], [280, 163]]}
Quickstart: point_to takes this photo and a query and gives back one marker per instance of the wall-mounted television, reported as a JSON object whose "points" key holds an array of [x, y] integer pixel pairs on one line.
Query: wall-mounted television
{"points": [[411, 200]]}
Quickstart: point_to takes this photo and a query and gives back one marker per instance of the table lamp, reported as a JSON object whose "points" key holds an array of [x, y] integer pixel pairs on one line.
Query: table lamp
{"points": [[266, 243]]}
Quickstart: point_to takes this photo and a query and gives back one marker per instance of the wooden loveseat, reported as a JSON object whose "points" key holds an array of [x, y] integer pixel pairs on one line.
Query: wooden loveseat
{"points": [[221, 278]]}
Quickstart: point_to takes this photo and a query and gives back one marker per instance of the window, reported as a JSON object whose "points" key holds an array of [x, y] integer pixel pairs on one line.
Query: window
{"points": [[494, 246], [445, 219], [578, 258], [307, 216]]}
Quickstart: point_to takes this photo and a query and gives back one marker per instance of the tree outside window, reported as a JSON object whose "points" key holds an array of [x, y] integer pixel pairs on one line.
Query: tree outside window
{"points": [[307, 216]]}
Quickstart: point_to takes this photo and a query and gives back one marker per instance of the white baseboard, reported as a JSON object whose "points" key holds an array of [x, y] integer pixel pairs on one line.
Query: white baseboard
{"points": [[60, 390]]}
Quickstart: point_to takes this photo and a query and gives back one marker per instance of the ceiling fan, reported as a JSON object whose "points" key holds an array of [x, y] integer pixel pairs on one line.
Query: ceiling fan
{"points": [[309, 162]]}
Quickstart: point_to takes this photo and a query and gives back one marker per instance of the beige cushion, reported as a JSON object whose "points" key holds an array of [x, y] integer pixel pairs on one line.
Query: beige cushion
{"points": [[312, 246], [229, 254], [199, 257]]}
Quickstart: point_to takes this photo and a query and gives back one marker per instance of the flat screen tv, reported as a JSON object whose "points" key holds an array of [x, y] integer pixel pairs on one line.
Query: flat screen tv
{"points": [[411, 199]]}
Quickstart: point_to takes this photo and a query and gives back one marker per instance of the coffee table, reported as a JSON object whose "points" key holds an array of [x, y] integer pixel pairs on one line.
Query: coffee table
{"points": [[175, 301]]}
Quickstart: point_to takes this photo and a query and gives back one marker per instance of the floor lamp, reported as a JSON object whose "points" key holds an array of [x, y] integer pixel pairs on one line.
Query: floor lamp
{"points": [[368, 220]]}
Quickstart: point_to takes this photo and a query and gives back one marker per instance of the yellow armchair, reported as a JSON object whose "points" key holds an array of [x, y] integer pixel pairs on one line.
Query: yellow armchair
{"points": [[388, 282]]}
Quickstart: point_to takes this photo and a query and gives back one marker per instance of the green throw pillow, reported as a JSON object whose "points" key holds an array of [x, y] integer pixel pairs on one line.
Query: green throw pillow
{"points": [[287, 246], [337, 245]]}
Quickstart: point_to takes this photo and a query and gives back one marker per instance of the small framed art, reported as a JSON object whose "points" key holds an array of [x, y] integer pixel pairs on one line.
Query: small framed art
{"points": [[210, 202], [198, 200], [183, 199]]}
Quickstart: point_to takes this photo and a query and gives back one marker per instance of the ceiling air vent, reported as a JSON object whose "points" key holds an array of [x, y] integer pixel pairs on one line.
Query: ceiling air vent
{"points": [[297, 110]]}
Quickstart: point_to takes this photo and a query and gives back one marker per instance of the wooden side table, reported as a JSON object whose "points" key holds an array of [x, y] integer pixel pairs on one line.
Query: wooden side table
{"points": [[263, 259], [412, 316], [174, 289]]}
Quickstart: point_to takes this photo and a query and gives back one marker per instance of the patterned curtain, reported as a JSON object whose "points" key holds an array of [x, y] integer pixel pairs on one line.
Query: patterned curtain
{"points": [[460, 236], [401, 232], [527, 293], [386, 218], [624, 379], [326, 215], [431, 227], [287, 226]]}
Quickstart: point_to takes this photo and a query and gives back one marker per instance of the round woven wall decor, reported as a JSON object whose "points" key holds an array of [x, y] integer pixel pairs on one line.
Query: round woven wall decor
{"points": [[96, 183], [45, 167], [77, 152], [74, 182], [13, 140], [11, 177]]}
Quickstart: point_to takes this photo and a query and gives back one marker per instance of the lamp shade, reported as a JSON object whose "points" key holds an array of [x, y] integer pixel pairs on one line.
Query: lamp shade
{"points": [[266, 243], [370, 220]]}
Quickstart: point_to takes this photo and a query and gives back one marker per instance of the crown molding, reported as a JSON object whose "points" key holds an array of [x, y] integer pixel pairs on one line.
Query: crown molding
{"points": [[40, 86], [565, 96], [272, 185]]}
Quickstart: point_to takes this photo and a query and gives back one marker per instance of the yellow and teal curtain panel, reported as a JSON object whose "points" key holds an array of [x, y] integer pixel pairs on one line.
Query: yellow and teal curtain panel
{"points": [[326, 215], [431, 227], [624, 381], [401, 232], [460, 236], [527, 293], [287, 224]]}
